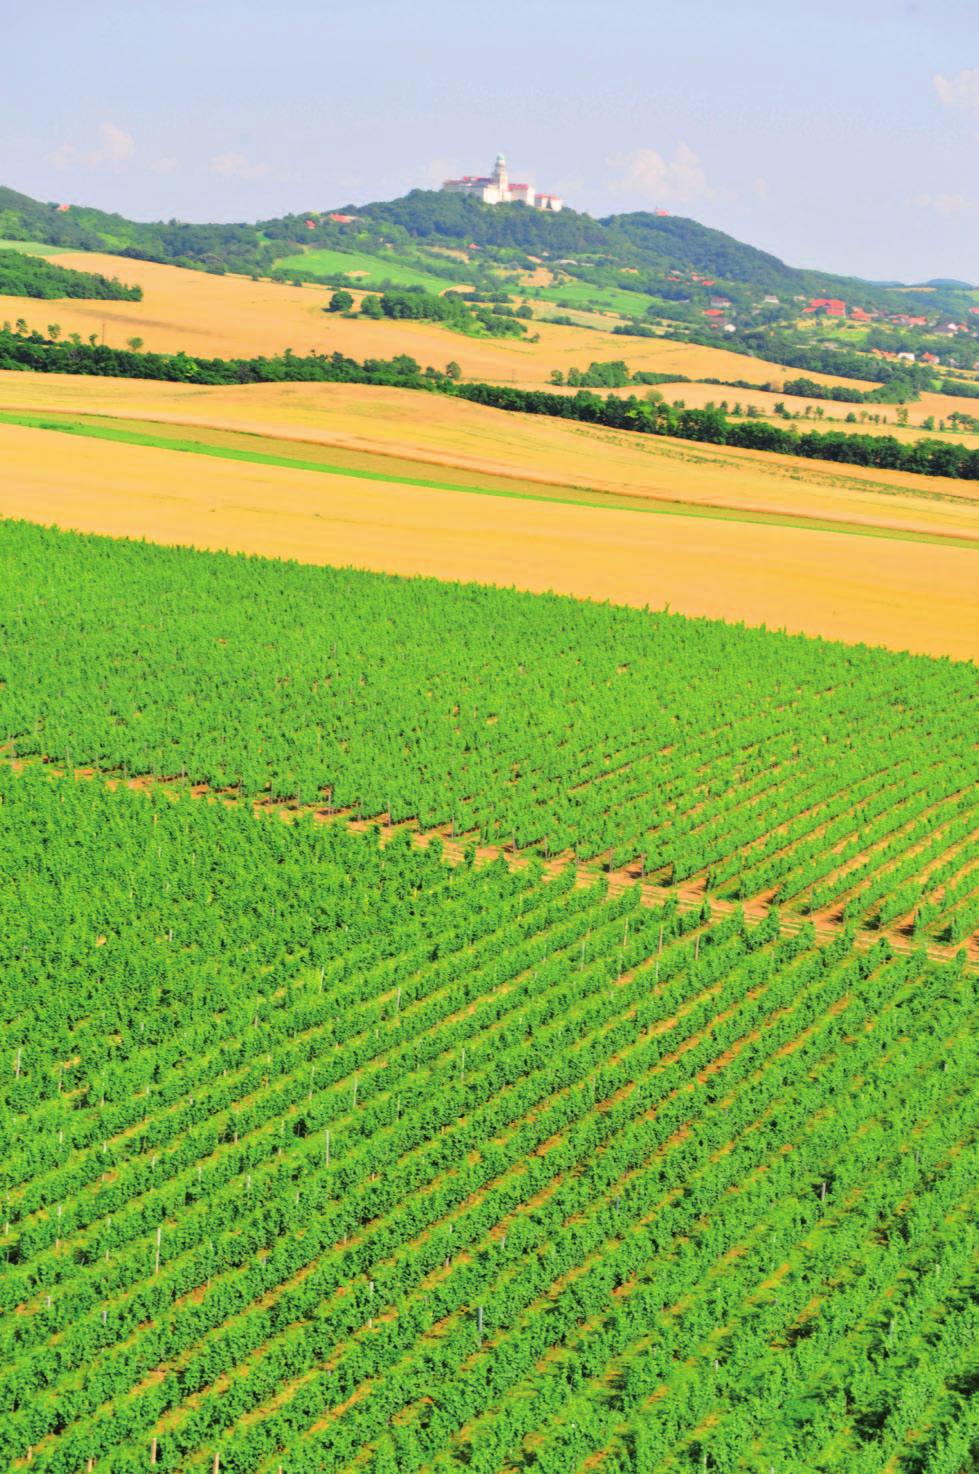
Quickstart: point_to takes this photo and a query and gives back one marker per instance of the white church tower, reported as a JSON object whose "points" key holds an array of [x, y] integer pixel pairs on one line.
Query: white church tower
{"points": [[501, 179]]}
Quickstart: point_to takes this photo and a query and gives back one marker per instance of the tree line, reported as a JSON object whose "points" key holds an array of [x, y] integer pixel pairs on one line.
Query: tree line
{"points": [[644, 416], [24, 275]]}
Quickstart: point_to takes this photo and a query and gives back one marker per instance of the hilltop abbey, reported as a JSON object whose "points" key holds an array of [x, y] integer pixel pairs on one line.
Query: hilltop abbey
{"points": [[498, 190]]}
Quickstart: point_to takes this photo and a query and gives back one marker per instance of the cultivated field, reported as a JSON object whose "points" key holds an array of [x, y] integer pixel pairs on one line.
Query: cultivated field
{"points": [[321, 1153], [565, 455], [897, 591], [929, 406], [228, 316]]}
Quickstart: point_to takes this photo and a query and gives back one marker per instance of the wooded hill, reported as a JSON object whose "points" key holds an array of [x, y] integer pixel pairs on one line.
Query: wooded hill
{"points": [[648, 246]]}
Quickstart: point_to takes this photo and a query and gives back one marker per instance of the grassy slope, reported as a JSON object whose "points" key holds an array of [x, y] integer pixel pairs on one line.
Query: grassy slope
{"points": [[370, 270], [32, 248]]}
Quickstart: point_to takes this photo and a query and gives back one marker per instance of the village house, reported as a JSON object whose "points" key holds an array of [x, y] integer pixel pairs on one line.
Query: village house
{"points": [[830, 306], [497, 189]]}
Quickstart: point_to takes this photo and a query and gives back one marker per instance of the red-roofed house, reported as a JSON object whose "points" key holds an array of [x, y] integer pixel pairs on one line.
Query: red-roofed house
{"points": [[832, 306]]}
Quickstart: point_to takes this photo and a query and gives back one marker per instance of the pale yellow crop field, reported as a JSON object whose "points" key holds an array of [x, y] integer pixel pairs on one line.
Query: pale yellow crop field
{"points": [[905, 594], [232, 316], [934, 406], [443, 433]]}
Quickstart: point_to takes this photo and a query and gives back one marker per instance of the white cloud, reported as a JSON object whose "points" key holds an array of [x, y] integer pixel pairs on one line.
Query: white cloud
{"points": [[238, 166], [947, 204], [116, 149], [680, 180], [960, 92]]}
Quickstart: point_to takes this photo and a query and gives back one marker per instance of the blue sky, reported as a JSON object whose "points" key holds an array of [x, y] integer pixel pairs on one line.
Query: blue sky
{"points": [[843, 135]]}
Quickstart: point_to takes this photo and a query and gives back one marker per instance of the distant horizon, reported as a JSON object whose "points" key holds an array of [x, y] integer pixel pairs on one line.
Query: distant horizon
{"points": [[851, 147]]}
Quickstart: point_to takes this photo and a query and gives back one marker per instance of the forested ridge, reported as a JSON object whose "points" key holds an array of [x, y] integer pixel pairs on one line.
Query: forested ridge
{"points": [[648, 243]]}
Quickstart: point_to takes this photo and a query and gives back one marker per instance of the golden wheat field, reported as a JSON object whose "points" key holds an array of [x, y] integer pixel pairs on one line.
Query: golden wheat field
{"points": [[437, 432], [906, 594], [233, 316], [936, 407]]}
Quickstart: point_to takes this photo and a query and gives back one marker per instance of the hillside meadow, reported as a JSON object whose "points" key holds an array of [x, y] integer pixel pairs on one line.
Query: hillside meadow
{"points": [[233, 316]]}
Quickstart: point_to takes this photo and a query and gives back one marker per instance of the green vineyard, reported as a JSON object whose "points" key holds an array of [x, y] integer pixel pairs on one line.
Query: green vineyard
{"points": [[825, 778], [327, 1150]]}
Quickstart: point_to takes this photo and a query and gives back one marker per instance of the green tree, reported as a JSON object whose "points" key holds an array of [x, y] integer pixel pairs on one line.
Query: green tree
{"points": [[370, 306], [341, 301], [135, 344]]}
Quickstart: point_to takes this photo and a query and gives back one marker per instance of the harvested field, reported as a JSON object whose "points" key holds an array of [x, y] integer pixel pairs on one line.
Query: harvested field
{"points": [[533, 448], [908, 595], [233, 316], [933, 406]]}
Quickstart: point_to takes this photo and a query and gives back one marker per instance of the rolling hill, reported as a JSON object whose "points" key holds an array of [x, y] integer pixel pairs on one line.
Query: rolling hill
{"points": [[663, 255]]}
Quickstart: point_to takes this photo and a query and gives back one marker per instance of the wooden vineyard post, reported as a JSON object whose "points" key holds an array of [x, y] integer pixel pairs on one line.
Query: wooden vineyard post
{"points": [[153, 1450], [217, 1463], [159, 1236]]}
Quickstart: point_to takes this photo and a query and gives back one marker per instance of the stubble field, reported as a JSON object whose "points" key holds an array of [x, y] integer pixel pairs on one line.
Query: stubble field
{"points": [[232, 316]]}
